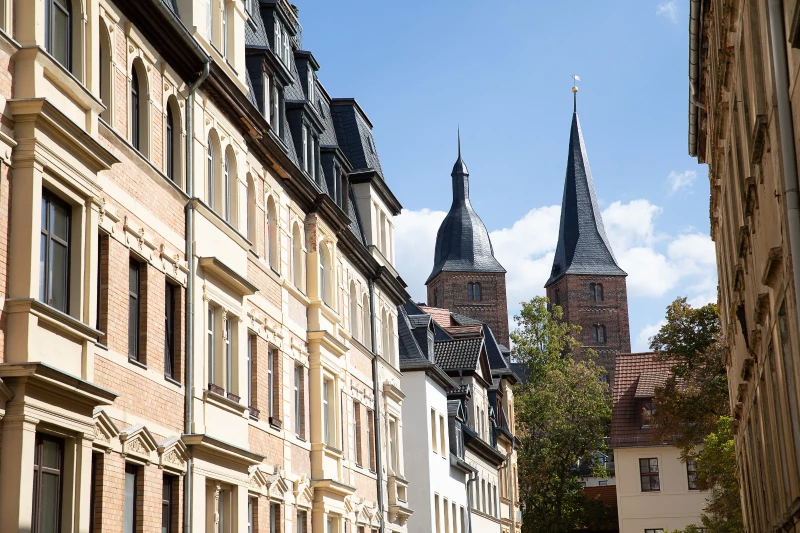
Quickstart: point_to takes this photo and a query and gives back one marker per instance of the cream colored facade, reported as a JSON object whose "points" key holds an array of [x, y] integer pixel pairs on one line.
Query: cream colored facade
{"points": [[743, 124], [673, 507], [265, 344]]}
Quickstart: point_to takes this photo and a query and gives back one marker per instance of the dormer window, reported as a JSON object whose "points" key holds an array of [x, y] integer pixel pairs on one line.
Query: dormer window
{"points": [[311, 86], [430, 346], [371, 142], [648, 407], [266, 104], [282, 47]]}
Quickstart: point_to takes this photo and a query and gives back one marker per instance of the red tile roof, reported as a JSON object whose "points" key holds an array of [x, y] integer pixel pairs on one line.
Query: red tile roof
{"points": [[637, 376], [606, 494], [441, 316]]}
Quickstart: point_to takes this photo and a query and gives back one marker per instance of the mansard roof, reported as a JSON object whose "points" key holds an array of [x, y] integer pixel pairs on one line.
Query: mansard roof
{"points": [[462, 242], [583, 247]]}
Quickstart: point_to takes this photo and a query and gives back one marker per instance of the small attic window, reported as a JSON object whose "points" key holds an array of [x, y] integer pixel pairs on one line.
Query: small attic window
{"points": [[371, 144], [321, 108]]}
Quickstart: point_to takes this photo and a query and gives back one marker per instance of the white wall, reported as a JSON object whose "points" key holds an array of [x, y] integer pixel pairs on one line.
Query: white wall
{"points": [[673, 507]]}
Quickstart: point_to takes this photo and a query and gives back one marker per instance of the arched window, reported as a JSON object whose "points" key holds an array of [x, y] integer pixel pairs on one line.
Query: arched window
{"points": [[382, 244], [323, 286], [58, 32], [135, 122], [297, 258], [384, 335], [230, 187], [105, 72], [599, 334], [436, 297], [365, 324], [226, 187], [169, 156], [477, 290], [225, 30], [251, 209], [390, 339], [557, 297], [470, 292], [272, 235], [211, 170], [354, 318], [598, 292], [592, 295]]}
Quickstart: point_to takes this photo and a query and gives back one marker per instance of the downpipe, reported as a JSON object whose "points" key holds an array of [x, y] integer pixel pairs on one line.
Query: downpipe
{"points": [[470, 480], [189, 367]]}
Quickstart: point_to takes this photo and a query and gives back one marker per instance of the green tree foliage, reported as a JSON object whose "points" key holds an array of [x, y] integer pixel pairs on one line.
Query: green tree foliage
{"points": [[563, 413], [693, 408]]}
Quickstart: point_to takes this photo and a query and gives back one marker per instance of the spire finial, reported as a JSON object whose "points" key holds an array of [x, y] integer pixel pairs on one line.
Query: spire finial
{"points": [[575, 80], [459, 142]]}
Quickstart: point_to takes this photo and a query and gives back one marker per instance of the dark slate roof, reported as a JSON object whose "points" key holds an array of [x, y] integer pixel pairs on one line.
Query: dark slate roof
{"points": [[328, 137], [409, 349], [462, 243], [439, 333], [356, 226], [464, 320], [254, 32], [496, 359], [459, 354], [354, 132], [251, 93], [582, 247], [521, 370]]}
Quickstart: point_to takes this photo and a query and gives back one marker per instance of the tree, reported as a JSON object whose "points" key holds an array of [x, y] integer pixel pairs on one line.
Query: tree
{"points": [[563, 414], [692, 408]]}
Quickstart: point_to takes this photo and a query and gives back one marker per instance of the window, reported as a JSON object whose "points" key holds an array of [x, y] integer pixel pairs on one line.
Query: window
{"points": [[433, 431], [54, 250], [310, 83], [211, 167], [274, 518], [105, 72], [136, 122], [130, 507], [225, 10], [277, 109], [691, 473], [441, 436], [298, 401], [323, 289], [557, 297], [170, 338], [436, 297], [463, 519], [436, 513], [169, 159], [648, 473], [659, 530], [357, 432], [226, 174], [266, 91], [648, 408], [48, 468], [371, 438], [603, 482], [455, 521], [251, 349], [366, 326], [598, 291], [474, 292], [134, 311], [297, 258], [599, 334], [394, 462], [304, 136], [301, 522], [274, 374], [327, 411], [228, 328], [210, 342], [446, 503], [251, 504], [272, 235], [58, 32], [354, 319], [166, 504]]}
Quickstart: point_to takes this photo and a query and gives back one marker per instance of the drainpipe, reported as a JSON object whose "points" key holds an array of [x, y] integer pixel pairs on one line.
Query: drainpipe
{"points": [[471, 479], [694, 72], [512, 508], [376, 411], [189, 370], [789, 157]]}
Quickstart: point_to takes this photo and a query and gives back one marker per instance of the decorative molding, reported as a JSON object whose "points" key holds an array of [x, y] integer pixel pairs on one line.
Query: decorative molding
{"points": [[138, 443], [105, 431], [172, 455]]}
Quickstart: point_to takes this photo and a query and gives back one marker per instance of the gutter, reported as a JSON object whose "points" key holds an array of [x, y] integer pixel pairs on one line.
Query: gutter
{"points": [[470, 480], [376, 411], [189, 367], [694, 72], [788, 154]]}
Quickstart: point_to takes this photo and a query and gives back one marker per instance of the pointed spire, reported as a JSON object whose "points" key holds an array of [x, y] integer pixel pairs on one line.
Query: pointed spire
{"points": [[460, 168], [582, 247], [459, 142]]}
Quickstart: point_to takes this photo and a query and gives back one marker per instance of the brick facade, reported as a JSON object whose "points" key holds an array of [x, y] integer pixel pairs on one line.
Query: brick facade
{"points": [[572, 293], [451, 290]]}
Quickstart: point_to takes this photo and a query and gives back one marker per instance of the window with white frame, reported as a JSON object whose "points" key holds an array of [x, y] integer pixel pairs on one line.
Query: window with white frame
{"points": [[433, 430], [211, 344], [328, 412], [442, 448], [228, 340], [394, 452], [271, 383], [266, 92]]}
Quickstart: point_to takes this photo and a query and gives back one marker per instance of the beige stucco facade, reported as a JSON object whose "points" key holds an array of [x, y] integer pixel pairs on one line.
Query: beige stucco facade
{"points": [[673, 507], [293, 318]]}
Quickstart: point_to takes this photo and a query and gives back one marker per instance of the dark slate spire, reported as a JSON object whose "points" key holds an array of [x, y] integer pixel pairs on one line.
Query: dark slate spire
{"points": [[583, 247], [462, 243]]}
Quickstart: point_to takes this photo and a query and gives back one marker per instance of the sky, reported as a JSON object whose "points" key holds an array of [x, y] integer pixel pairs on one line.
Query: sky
{"points": [[502, 72]]}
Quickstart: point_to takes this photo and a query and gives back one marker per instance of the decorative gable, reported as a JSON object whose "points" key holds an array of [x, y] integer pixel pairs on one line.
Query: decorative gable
{"points": [[303, 495], [258, 481], [138, 443], [104, 431], [172, 455], [277, 487]]}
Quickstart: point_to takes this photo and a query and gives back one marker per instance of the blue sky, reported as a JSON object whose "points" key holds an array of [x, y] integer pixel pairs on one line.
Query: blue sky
{"points": [[502, 72]]}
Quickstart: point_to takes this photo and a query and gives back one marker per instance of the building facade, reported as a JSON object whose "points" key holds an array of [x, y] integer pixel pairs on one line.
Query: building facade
{"points": [[743, 124], [586, 280], [209, 341], [656, 490]]}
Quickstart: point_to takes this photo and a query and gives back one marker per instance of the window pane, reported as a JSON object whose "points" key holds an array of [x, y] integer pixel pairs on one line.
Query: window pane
{"points": [[48, 507], [51, 453], [42, 278], [60, 221], [130, 499], [60, 49], [58, 276]]}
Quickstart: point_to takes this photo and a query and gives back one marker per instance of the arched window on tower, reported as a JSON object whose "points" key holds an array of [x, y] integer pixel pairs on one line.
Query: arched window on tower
{"points": [[557, 297], [599, 334], [436, 297], [596, 292], [474, 292], [470, 293]]}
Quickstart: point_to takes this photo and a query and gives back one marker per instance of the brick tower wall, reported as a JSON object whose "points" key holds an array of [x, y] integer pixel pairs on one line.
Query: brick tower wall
{"points": [[493, 307], [572, 293]]}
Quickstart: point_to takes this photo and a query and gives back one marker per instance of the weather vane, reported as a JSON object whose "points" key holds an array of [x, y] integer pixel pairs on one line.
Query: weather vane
{"points": [[575, 80]]}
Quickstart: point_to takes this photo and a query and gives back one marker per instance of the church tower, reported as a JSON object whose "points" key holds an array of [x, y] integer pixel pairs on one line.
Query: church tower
{"points": [[586, 280], [466, 278]]}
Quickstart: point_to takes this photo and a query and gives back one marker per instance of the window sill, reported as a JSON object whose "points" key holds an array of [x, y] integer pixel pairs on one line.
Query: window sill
{"points": [[173, 381], [66, 324], [137, 363], [296, 292], [275, 423], [223, 402]]}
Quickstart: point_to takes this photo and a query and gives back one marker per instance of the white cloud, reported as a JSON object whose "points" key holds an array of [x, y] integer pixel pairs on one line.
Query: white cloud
{"points": [[681, 180], [657, 264], [642, 341], [668, 9]]}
